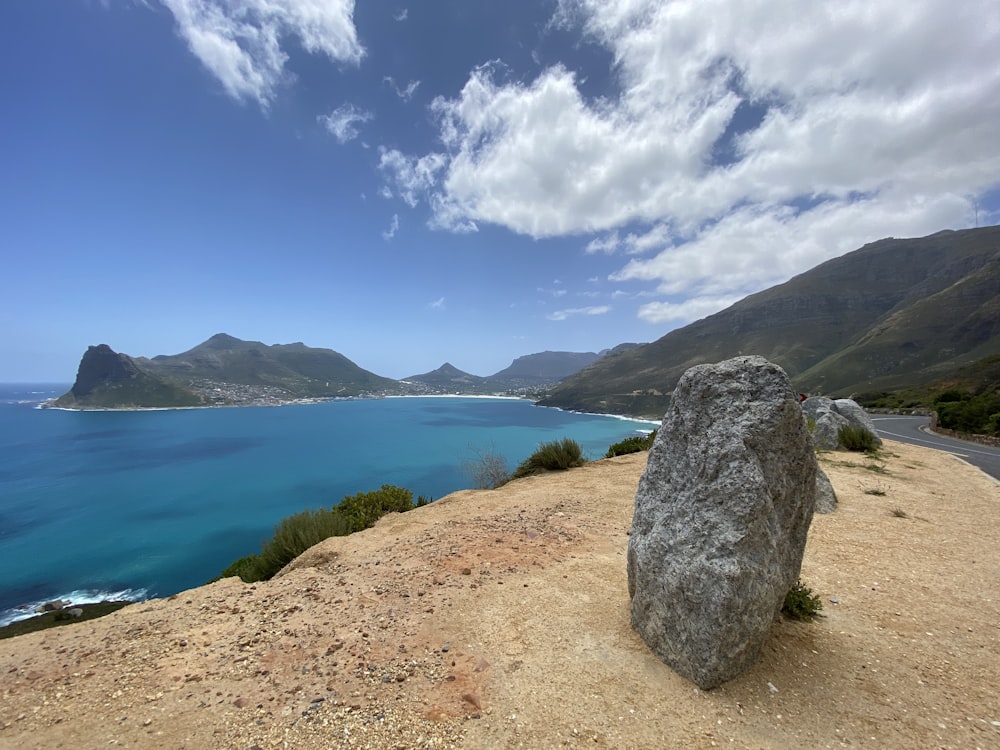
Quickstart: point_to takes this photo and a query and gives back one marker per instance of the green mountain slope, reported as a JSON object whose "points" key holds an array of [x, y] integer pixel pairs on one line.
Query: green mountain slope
{"points": [[449, 379], [298, 370], [542, 368], [824, 326]]}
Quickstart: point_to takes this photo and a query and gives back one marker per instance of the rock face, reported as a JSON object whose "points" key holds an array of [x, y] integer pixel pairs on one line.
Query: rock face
{"points": [[101, 365], [721, 518], [830, 415]]}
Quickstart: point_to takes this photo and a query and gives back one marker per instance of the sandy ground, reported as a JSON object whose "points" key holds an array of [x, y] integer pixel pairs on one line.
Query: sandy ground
{"points": [[499, 619]]}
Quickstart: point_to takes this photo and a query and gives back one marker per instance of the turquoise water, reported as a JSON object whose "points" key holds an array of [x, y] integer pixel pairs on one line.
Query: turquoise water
{"points": [[148, 503]]}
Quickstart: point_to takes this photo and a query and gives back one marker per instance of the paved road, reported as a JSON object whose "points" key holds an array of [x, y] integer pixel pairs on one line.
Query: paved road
{"points": [[913, 430]]}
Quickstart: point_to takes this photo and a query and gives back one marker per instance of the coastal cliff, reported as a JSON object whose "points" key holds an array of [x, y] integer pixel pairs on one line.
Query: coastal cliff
{"points": [[107, 379]]}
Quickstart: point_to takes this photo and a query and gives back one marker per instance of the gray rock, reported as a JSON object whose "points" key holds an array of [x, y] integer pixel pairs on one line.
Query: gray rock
{"points": [[830, 415], [827, 422], [721, 517], [826, 498], [854, 413]]}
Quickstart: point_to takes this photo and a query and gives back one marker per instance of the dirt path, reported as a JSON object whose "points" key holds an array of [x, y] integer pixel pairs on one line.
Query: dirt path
{"points": [[500, 620]]}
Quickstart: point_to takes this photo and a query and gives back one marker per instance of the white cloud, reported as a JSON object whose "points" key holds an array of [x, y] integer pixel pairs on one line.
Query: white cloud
{"points": [[632, 243], [240, 43], [389, 233], [608, 244], [564, 314], [685, 311], [401, 14], [437, 304], [406, 93], [744, 143], [343, 122], [412, 178]]}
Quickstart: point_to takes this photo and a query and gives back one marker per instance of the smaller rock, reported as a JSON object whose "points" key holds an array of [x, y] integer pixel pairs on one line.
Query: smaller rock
{"points": [[473, 700], [826, 498], [829, 416]]}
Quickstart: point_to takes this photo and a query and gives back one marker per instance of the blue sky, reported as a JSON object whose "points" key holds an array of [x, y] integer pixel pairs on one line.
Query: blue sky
{"points": [[410, 183]]}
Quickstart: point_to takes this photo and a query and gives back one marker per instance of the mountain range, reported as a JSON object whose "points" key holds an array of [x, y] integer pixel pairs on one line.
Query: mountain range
{"points": [[895, 313], [529, 372], [225, 370]]}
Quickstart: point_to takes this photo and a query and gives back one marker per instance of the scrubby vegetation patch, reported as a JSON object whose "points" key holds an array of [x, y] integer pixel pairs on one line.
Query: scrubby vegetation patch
{"points": [[558, 455], [632, 444], [295, 534], [801, 604]]}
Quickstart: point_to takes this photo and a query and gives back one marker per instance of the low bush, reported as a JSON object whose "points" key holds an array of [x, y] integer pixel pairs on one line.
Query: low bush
{"points": [[295, 534], [555, 456], [362, 510], [856, 438], [632, 444], [801, 604]]}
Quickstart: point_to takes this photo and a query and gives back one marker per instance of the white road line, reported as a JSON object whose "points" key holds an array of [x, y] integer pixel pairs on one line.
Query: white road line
{"points": [[929, 442]]}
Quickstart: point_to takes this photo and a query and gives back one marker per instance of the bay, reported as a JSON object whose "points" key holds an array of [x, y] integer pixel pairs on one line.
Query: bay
{"points": [[148, 503]]}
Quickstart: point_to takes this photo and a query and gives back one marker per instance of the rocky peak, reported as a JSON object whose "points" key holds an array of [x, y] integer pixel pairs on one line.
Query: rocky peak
{"points": [[102, 364]]}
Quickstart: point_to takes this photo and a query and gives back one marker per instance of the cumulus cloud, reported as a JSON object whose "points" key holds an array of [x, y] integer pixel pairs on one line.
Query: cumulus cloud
{"points": [[437, 304], [343, 122], [240, 43], [573, 311], [401, 15], [742, 144]]}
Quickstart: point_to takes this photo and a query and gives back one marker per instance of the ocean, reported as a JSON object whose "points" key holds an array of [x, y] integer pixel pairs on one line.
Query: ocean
{"points": [[140, 504]]}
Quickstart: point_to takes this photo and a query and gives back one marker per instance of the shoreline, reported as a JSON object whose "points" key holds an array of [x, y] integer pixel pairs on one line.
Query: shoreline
{"points": [[44, 405], [23, 606]]}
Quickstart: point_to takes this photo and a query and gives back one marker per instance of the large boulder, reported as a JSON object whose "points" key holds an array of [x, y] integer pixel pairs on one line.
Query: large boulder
{"points": [[830, 415], [721, 517]]}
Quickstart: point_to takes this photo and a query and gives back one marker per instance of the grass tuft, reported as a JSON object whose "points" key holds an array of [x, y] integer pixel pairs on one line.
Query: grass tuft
{"points": [[855, 438]]}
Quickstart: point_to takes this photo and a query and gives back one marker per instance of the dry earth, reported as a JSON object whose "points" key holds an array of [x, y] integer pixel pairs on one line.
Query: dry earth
{"points": [[500, 620]]}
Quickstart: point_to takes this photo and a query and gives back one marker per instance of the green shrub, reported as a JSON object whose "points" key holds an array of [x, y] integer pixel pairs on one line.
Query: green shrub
{"points": [[364, 509], [295, 534], [632, 444], [801, 604], [856, 438], [555, 456], [978, 414]]}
